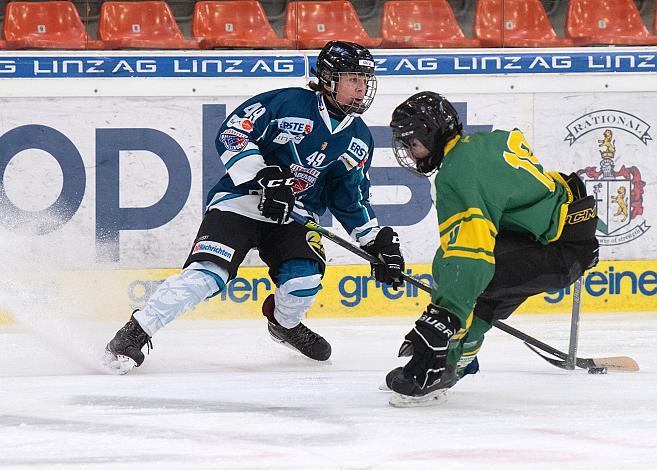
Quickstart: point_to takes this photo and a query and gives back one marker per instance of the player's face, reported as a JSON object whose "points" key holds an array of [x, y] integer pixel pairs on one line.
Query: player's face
{"points": [[418, 150], [351, 89]]}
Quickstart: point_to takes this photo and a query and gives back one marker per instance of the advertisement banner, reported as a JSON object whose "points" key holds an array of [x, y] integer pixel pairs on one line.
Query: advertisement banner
{"points": [[348, 291], [122, 181], [128, 178], [210, 64]]}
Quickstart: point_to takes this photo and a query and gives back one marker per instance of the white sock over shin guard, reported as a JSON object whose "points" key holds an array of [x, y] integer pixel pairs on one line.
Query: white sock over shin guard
{"points": [[294, 298], [180, 293]]}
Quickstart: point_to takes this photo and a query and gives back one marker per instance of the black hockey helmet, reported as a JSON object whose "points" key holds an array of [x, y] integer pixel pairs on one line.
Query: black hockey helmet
{"points": [[339, 59], [429, 118]]}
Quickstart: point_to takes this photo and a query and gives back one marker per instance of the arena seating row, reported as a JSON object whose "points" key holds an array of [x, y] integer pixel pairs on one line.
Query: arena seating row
{"points": [[309, 24]]}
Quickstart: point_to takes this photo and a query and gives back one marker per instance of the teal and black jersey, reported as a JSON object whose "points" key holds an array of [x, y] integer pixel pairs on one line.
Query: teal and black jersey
{"points": [[329, 159], [487, 183]]}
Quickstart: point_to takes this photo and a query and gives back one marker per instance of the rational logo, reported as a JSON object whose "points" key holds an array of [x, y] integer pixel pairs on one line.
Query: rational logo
{"points": [[214, 248], [618, 192]]}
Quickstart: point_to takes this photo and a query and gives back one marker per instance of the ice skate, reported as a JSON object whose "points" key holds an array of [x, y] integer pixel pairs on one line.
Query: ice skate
{"points": [[300, 338], [123, 352], [463, 369], [409, 394], [385, 386]]}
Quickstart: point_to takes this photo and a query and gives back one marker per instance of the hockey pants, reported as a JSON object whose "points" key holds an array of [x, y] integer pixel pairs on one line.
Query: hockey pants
{"points": [[522, 268]]}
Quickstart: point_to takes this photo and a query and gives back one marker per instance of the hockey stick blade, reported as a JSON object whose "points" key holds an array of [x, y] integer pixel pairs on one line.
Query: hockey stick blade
{"points": [[617, 363]]}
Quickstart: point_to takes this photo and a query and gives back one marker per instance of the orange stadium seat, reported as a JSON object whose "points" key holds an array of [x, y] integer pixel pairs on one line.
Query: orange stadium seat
{"points": [[45, 25], [609, 22], [515, 23], [141, 25], [422, 23], [313, 24], [236, 23]]}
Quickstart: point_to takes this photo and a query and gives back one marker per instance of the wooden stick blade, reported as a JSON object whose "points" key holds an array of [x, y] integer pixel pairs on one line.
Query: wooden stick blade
{"points": [[617, 363]]}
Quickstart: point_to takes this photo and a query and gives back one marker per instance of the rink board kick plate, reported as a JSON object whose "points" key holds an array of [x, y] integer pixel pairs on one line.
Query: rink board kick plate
{"points": [[348, 291]]}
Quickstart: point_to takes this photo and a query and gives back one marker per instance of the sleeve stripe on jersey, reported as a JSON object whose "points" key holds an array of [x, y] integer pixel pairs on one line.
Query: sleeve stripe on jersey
{"points": [[564, 208], [362, 234], [470, 236], [366, 232], [242, 166], [470, 253], [456, 219], [234, 159], [223, 197], [228, 155]]}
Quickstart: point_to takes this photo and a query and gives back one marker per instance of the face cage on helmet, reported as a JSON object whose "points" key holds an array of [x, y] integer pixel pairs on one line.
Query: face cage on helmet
{"points": [[354, 107], [404, 156]]}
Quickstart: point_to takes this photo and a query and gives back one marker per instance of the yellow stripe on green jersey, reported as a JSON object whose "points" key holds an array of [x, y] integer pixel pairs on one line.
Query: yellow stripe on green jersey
{"points": [[563, 213], [468, 234]]}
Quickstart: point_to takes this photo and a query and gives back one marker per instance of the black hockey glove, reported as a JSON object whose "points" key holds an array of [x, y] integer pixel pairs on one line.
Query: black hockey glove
{"points": [[428, 343], [277, 200], [386, 248]]}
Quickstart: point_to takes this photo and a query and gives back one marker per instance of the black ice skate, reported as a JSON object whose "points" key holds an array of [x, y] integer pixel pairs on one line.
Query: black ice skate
{"points": [[408, 393], [123, 352], [471, 368], [300, 338]]}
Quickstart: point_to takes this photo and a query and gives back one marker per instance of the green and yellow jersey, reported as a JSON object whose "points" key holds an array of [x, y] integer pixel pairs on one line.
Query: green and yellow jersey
{"points": [[489, 182]]}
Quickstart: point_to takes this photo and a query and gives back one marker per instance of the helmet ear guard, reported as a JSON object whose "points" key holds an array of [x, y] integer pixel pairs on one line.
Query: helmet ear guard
{"points": [[432, 120]]}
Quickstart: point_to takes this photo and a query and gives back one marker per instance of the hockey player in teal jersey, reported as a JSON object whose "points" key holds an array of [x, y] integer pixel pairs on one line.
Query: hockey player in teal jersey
{"points": [[508, 230], [288, 149]]}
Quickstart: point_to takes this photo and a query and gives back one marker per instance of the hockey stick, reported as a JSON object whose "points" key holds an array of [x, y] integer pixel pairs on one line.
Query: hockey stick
{"points": [[574, 325], [593, 364], [615, 363]]}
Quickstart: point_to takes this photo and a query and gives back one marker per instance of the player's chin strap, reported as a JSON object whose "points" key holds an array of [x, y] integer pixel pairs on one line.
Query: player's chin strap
{"points": [[623, 363]]}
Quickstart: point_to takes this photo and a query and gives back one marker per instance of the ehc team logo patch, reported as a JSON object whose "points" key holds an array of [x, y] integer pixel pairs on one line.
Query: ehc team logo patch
{"points": [[214, 248], [616, 136], [304, 177], [234, 140]]}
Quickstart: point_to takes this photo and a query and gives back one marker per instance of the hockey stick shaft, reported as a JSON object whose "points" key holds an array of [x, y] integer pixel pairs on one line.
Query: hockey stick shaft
{"points": [[574, 325], [309, 224]]}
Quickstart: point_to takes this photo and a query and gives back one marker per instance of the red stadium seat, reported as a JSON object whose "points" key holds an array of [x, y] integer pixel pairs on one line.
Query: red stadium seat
{"points": [[45, 25], [141, 25], [313, 24], [609, 22], [237, 23], [422, 23], [515, 23]]}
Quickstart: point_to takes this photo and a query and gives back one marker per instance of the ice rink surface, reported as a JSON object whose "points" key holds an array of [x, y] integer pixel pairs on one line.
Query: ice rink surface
{"points": [[215, 395]]}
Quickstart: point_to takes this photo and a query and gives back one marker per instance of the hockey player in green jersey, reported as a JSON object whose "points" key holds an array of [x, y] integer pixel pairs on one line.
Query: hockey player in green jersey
{"points": [[508, 230]]}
